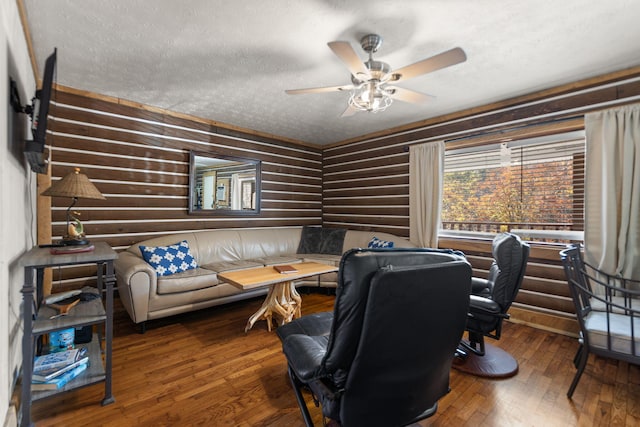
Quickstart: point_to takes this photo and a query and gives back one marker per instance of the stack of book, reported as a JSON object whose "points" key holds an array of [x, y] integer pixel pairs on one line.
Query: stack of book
{"points": [[53, 371]]}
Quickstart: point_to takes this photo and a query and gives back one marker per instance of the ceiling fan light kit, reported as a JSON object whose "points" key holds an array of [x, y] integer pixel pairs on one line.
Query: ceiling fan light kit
{"points": [[370, 98], [370, 89]]}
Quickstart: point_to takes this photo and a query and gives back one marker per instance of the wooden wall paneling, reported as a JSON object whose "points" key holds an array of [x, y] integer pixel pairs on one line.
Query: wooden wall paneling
{"points": [[139, 159], [367, 210], [366, 164], [547, 286], [401, 231], [367, 188], [378, 171], [550, 302], [367, 220], [347, 203], [347, 166], [372, 181]]}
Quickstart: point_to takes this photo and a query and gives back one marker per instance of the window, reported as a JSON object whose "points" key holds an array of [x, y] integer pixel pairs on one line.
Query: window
{"points": [[533, 187]]}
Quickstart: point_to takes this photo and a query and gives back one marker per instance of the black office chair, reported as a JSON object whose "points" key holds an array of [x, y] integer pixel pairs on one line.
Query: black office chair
{"points": [[490, 300], [383, 356]]}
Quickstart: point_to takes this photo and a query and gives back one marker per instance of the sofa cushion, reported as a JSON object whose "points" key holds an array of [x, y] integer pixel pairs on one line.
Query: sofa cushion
{"points": [[171, 259], [376, 243], [310, 240], [332, 240], [222, 266], [276, 260], [321, 240], [618, 328], [191, 280]]}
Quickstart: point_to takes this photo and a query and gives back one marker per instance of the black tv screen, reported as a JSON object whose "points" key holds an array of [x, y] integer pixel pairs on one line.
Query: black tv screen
{"points": [[34, 150]]}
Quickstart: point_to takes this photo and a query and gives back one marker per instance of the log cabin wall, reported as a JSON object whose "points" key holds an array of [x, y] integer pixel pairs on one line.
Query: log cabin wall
{"points": [[366, 181], [139, 160]]}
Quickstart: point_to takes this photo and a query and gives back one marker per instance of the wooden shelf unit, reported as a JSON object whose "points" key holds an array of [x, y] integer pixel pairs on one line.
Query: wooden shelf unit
{"points": [[38, 322]]}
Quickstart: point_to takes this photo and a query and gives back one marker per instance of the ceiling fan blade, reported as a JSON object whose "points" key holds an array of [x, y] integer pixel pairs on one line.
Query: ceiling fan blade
{"points": [[407, 95], [319, 89], [350, 111], [345, 52], [442, 60]]}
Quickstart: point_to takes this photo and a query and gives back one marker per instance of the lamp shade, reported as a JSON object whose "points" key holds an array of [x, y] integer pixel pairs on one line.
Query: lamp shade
{"points": [[75, 185]]}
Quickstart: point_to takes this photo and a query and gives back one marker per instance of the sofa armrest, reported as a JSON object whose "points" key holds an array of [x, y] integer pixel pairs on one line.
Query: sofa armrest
{"points": [[137, 281]]}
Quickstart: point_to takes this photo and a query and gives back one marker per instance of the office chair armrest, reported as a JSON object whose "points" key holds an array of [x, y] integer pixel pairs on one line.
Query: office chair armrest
{"points": [[480, 287], [304, 354], [481, 305]]}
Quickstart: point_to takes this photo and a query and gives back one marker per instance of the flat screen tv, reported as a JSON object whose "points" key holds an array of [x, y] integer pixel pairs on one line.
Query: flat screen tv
{"points": [[34, 150]]}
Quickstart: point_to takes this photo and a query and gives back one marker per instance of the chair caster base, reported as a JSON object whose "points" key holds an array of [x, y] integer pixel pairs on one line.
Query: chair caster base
{"points": [[496, 363]]}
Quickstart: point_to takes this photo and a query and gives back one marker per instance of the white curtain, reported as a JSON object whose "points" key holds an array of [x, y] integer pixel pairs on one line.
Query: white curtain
{"points": [[236, 192], [426, 169], [612, 191]]}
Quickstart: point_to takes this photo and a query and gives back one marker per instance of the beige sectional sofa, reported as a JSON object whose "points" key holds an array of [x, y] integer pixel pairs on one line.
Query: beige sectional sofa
{"points": [[147, 296]]}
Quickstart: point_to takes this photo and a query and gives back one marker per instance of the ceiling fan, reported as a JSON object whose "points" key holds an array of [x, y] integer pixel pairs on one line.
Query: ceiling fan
{"points": [[372, 81]]}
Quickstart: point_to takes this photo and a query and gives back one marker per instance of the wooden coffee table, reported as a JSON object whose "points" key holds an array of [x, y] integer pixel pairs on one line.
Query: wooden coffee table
{"points": [[282, 301]]}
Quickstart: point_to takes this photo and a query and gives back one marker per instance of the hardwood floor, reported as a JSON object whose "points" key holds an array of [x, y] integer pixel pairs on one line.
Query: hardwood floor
{"points": [[202, 369]]}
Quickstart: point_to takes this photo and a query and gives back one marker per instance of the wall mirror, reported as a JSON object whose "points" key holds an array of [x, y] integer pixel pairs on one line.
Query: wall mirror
{"points": [[223, 185]]}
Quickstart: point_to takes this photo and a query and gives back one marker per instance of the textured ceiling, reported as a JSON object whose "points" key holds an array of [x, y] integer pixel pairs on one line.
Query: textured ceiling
{"points": [[231, 61]]}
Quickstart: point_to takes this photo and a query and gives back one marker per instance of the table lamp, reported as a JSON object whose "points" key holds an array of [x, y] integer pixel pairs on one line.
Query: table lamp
{"points": [[75, 185]]}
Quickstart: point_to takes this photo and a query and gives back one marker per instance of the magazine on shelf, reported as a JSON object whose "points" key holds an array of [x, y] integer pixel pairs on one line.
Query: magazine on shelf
{"points": [[61, 381], [58, 360], [49, 374], [285, 269]]}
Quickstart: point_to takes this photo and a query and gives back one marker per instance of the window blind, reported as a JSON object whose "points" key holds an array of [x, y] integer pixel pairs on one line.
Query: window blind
{"points": [[535, 184]]}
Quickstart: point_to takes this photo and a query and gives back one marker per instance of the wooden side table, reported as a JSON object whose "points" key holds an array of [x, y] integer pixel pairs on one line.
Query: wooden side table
{"points": [[37, 319]]}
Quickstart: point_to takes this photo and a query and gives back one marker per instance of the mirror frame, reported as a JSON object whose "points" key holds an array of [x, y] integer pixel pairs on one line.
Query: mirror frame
{"points": [[224, 212]]}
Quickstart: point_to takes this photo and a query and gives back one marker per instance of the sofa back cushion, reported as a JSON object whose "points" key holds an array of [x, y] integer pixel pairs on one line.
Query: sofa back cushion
{"points": [[218, 245], [268, 242], [245, 244], [210, 246], [321, 240]]}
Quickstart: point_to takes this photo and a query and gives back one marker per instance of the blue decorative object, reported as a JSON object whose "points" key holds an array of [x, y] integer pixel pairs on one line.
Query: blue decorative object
{"points": [[170, 259], [378, 243], [61, 340]]}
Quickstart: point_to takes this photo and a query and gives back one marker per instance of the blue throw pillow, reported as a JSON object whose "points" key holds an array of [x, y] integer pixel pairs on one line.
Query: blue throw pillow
{"points": [[170, 259], [377, 243]]}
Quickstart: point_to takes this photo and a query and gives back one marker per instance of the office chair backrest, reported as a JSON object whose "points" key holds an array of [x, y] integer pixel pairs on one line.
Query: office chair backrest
{"points": [[357, 268], [413, 320], [510, 256]]}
